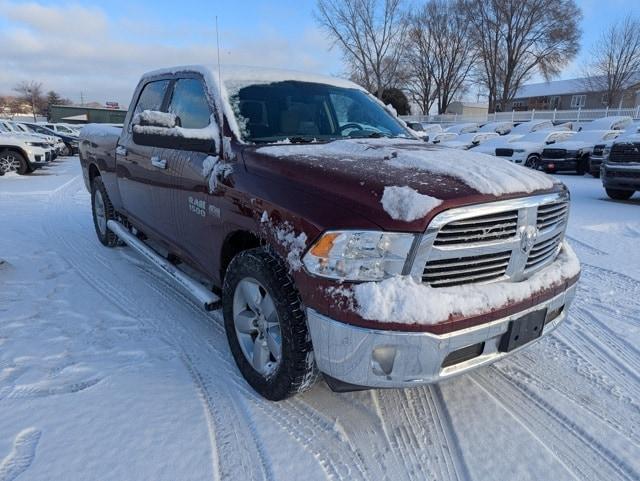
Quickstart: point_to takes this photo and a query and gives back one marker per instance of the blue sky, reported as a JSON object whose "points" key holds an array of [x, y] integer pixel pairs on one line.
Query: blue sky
{"points": [[100, 48]]}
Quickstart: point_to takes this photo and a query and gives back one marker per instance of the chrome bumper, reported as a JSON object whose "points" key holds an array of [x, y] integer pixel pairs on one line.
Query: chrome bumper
{"points": [[393, 359]]}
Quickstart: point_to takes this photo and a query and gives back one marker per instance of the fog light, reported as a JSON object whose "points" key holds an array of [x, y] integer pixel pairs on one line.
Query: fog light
{"points": [[382, 359]]}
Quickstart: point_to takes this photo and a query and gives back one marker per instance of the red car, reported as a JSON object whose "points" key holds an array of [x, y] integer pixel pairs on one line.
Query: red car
{"points": [[337, 242]]}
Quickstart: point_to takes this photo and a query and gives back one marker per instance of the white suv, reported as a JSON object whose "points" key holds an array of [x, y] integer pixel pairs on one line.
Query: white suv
{"points": [[22, 153]]}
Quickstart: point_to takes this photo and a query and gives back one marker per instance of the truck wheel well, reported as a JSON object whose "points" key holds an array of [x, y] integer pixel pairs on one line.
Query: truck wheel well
{"points": [[235, 243], [93, 173], [18, 150]]}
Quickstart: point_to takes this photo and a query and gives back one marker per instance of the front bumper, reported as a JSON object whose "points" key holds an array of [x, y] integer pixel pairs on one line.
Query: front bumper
{"points": [[37, 156], [594, 164], [624, 177], [553, 165], [395, 359]]}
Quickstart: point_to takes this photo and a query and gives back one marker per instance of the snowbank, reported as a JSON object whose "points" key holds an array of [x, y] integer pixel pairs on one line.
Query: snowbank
{"points": [[484, 173], [405, 203], [401, 299]]}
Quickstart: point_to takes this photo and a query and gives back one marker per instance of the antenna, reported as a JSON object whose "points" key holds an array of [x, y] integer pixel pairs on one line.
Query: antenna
{"points": [[220, 114]]}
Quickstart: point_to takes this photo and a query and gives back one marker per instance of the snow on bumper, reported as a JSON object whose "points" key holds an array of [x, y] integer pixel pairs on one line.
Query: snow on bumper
{"points": [[381, 358]]}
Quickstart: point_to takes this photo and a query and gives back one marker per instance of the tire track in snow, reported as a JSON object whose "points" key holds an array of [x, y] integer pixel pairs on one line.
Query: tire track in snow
{"points": [[21, 456], [229, 452], [332, 469], [582, 455]]}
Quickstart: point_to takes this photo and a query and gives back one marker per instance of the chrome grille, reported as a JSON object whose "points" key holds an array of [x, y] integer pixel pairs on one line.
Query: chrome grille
{"points": [[625, 152], [501, 241], [479, 229], [543, 251], [466, 270], [550, 215]]}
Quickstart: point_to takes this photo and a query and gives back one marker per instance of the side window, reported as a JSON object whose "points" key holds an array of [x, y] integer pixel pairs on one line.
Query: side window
{"points": [[151, 96], [189, 104]]}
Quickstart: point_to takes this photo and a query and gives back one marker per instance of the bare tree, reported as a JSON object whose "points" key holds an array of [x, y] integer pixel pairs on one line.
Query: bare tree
{"points": [[419, 68], [616, 60], [519, 38], [31, 92], [371, 35]]}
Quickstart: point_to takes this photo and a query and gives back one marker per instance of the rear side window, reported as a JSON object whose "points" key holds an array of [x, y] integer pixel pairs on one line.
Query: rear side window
{"points": [[151, 96], [189, 104]]}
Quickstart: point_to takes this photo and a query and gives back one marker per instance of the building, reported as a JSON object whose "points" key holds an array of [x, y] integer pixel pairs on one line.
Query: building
{"points": [[468, 109], [577, 93], [81, 115]]}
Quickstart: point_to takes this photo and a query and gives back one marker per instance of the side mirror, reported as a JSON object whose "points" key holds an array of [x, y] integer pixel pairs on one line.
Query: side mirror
{"points": [[161, 129]]}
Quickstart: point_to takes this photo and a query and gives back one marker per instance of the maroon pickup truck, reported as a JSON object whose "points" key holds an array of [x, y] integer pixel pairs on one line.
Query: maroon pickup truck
{"points": [[335, 241]]}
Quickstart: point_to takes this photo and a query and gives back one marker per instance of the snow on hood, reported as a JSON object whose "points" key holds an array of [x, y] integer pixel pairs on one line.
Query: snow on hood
{"points": [[573, 144], [401, 299], [484, 173], [405, 203]]}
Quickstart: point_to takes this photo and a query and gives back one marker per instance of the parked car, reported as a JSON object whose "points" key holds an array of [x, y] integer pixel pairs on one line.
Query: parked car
{"points": [[620, 170], [466, 128], [524, 128], [443, 137], [467, 141], [601, 151], [502, 128], [620, 122], [572, 154], [70, 146], [20, 129], [527, 150], [21, 153], [431, 128], [489, 147], [418, 130], [61, 129], [339, 243]]}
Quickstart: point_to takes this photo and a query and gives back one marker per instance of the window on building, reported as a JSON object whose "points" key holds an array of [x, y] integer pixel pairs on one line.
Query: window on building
{"points": [[554, 102], [578, 101], [605, 98]]}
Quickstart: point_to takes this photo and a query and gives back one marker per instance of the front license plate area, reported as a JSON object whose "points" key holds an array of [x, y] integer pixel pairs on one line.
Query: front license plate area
{"points": [[523, 330]]}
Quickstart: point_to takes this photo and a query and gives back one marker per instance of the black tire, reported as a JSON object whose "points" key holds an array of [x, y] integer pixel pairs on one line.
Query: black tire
{"points": [[296, 371], [583, 166], [99, 195], [67, 151], [10, 161], [595, 174], [532, 162], [618, 194]]}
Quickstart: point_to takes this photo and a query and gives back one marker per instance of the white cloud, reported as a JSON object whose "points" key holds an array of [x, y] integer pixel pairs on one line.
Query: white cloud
{"points": [[75, 49]]}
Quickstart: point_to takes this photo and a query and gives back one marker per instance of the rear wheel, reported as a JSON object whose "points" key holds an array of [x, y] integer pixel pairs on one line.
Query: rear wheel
{"points": [[103, 212], [12, 161], [618, 194], [266, 325]]}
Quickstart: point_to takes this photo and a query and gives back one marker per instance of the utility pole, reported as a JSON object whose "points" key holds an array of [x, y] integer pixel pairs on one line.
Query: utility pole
{"points": [[81, 99]]}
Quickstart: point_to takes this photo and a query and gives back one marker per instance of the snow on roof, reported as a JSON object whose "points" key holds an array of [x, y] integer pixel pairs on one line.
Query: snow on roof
{"points": [[564, 87]]}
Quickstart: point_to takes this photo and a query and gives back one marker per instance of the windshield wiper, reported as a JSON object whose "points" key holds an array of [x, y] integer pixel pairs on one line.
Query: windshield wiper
{"points": [[301, 140]]}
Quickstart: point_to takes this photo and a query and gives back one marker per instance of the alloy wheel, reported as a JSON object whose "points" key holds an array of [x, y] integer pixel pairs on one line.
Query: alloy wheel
{"points": [[257, 326]]}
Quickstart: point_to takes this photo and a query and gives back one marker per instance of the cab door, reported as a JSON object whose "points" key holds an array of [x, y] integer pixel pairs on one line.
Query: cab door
{"points": [[142, 181], [197, 211]]}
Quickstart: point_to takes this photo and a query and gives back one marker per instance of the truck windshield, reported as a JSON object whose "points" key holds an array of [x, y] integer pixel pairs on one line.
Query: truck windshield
{"points": [[307, 112]]}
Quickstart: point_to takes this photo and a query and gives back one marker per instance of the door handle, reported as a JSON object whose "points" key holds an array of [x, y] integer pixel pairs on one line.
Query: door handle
{"points": [[158, 162]]}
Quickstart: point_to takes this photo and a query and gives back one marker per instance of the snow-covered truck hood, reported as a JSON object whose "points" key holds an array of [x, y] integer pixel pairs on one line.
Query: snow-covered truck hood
{"points": [[353, 174], [573, 145]]}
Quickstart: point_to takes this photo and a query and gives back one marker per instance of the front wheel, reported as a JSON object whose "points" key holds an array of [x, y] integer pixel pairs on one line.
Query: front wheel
{"points": [[583, 166], [103, 212], [618, 194], [532, 162], [266, 325], [11, 161], [66, 150]]}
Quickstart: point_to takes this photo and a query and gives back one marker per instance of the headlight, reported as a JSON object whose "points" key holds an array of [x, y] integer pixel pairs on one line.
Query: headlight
{"points": [[606, 151], [358, 255], [34, 144]]}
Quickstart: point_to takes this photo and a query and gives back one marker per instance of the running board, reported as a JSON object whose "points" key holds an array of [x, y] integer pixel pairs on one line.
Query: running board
{"points": [[204, 296]]}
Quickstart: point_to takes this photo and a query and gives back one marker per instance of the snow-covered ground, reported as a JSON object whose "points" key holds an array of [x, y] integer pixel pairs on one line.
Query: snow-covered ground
{"points": [[109, 372]]}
